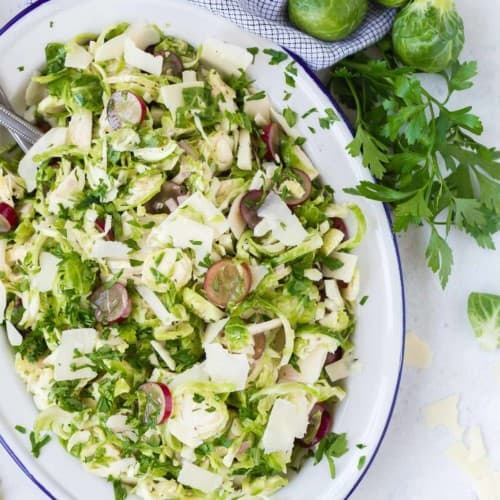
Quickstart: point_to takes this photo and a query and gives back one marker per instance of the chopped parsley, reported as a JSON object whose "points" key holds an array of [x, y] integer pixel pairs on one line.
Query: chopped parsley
{"points": [[327, 121], [290, 116], [277, 56], [332, 446], [20, 428], [37, 444], [363, 300]]}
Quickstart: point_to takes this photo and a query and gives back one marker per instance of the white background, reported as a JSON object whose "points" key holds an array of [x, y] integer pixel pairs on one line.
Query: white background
{"points": [[412, 464]]}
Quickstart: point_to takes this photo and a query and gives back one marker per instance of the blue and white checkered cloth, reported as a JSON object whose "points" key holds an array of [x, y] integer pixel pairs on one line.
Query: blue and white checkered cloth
{"points": [[268, 18]]}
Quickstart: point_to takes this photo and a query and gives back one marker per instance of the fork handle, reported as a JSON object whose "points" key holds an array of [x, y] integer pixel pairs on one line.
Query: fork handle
{"points": [[18, 125]]}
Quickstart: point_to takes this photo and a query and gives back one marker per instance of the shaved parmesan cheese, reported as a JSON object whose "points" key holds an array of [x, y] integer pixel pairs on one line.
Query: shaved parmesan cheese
{"points": [[351, 291], [258, 273], [44, 280], [338, 370], [80, 129], [244, 160], [313, 274], [3, 301], [234, 218], [331, 240], [417, 352], [444, 413], [225, 57], [140, 59], [200, 479], [143, 35], [213, 329], [104, 249], [66, 192], [258, 109], [194, 374], [265, 326], [224, 367], [333, 293], [77, 57], [118, 423], [310, 367], [189, 76], [66, 365], [199, 207], [172, 96], [184, 233], [112, 49], [27, 167], [118, 468], [164, 354], [156, 305], [15, 338], [346, 272], [287, 421], [77, 438], [284, 225]]}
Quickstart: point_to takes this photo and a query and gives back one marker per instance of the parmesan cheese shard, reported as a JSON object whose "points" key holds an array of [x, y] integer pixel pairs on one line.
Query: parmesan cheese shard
{"points": [[417, 352], [198, 478], [444, 413]]}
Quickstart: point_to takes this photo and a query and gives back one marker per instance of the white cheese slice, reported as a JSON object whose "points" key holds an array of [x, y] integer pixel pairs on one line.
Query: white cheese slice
{"points": [[156, 305], [184, 233], [172, 97], [3, 301], [44, 280], [333, 293], [417, 352], [65, 363], [112, 49], [346, 272], [141, 59], [13, 335], [143, 35], [189, 76], [118, 423], [258, 274], [313, 274], [338, 370], [194, 374], [27, 167], [124, 467], [225, 57], [213, 329], [284, 225], [80, 129], [225, 367], [67, 191], [244, 159], [258, 109], [287, 421], [76, 56], [104, 249], [444, 413], [164, 354], [200, 479], [234, 218], [205, 210], [77, 438]]}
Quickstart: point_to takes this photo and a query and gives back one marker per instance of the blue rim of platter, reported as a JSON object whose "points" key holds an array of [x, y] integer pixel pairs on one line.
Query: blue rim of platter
{"points": [[340, 112]]}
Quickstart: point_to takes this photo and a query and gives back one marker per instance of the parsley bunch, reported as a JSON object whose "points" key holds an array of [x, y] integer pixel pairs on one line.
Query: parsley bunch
{"points": [[428, 164]]}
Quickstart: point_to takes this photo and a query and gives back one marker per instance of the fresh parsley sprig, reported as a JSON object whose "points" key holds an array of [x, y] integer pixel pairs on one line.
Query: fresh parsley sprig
{"points": [[428, 164]]}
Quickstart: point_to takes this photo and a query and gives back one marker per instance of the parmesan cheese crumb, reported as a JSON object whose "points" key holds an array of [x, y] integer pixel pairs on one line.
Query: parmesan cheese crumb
{"points": [[417, 352], [444, 413]]}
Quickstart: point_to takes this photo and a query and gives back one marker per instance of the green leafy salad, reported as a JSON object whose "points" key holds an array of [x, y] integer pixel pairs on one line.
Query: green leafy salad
{"points": [[177, 283]]}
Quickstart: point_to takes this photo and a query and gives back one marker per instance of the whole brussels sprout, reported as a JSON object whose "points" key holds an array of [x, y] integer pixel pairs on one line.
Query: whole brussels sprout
{"points": [[328, 20], [392, 3], [428, 34]]}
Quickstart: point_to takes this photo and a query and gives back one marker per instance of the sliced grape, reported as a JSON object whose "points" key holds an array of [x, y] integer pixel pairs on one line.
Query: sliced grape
{"points": [[305, 182], [111, 304], [249, 205], [227, 282], [320, 424], [161, 203], [159, 403], [271, 135], [8, 218], [101, 225], [125, 108]]}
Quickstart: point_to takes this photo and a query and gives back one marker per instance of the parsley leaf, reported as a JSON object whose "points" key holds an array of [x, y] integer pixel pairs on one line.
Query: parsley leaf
{"points": [[290, 116], [277, 56], [330, 447]]}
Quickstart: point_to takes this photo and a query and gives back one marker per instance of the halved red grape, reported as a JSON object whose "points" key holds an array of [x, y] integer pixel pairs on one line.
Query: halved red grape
{"points": [[259, 345], [227, 282], [320, 424], [249, 205], [161, 202], [172, 63], [125, 108], [332, 357], [339, 224], [271, 135], [111, 304], [101, 225], [8, 218], [159, 403], [305, 182]]}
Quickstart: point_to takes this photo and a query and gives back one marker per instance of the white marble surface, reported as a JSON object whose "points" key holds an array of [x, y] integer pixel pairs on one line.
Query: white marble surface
{"points": [[412, 464]]}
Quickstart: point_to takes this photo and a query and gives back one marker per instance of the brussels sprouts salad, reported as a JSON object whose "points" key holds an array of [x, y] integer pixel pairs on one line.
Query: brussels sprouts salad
{"points": [[177, 282]]}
